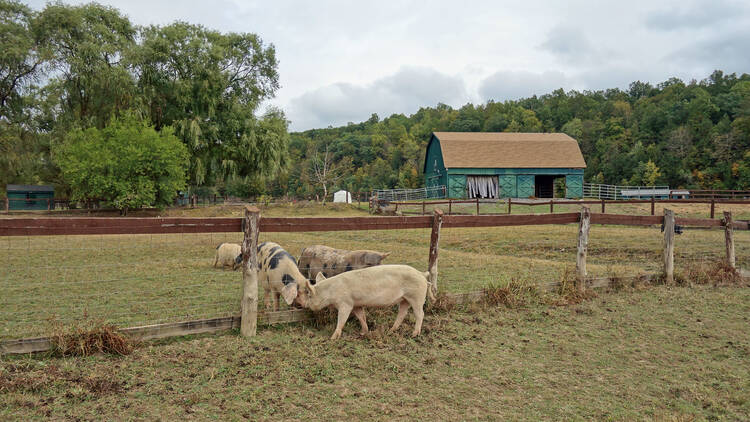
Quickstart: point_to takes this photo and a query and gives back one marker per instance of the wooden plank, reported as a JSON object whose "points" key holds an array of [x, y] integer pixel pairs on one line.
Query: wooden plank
{"points": [[508, 220], [110, 225], [626, 220], [130, 225], [669, 246], [249, 301], [697, 222], [308, 224], [176, 329], [285, 317], [25, 345]]}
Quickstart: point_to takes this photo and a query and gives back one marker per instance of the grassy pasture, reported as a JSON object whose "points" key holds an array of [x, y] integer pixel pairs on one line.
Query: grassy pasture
{"points": [[654, 353], [141, 279]]}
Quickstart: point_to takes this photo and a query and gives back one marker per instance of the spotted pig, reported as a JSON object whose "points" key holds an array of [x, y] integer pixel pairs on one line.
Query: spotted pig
{"points": [[278, 274]]}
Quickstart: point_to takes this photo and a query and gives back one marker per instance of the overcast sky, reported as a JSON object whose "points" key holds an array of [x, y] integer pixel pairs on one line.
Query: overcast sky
{"points": [[341, 61]]}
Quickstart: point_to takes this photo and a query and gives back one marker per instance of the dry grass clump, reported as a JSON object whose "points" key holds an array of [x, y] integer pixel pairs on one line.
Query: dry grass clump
{"points": [[569, 294], [444, 304], [717, 273], [87, 338], [512, 295], [324, 317]]}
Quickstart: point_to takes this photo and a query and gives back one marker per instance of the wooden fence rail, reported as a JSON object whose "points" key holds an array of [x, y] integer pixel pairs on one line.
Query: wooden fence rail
{"points": [[552, 202], [144, 225]]}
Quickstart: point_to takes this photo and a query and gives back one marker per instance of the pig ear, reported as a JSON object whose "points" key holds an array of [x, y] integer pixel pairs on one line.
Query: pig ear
{"points": [[313, 292], [320, 277], [289, 292], [384, 255]]}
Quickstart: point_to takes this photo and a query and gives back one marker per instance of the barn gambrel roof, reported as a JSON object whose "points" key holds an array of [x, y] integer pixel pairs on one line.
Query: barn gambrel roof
{"points": [[509, 150]]}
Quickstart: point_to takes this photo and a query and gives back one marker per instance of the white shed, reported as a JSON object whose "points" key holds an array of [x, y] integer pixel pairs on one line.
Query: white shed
{"points": [[342, 196]]}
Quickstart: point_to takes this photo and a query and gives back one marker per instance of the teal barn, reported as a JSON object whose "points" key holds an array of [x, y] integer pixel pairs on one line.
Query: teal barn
{"points": [[504, 165], [30, 197]]}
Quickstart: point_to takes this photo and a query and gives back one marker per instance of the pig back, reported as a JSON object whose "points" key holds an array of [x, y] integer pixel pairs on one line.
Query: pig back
{"points": [[382, 285]]}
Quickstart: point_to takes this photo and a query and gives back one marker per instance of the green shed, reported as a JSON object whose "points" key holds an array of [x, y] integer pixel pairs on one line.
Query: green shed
{"points": [[502, 165], [30, 197]]}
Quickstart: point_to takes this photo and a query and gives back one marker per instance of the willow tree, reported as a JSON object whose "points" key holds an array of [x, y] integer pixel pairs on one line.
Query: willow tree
{"points": [[90, 79], [209, 86]]}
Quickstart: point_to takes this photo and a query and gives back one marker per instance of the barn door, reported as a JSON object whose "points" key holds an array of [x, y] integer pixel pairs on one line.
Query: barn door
{"points": [[574, 186], [507, 186], [525, 185]]}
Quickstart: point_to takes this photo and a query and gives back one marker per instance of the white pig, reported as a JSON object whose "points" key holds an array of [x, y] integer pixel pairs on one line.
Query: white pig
{"points": [[379, 286]]}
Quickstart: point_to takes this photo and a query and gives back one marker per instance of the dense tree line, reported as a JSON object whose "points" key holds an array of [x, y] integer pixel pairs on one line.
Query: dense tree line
{"points": [[69, 72], [694, 134]]}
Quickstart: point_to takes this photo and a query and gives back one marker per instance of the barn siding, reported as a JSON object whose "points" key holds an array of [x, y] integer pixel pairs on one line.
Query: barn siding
{"points": [[513, 182], [434, 168]]}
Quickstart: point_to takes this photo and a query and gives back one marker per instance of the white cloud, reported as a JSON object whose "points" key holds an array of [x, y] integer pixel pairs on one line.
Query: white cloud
{"points": [[341, 61], [403, 92], [512, 85]]}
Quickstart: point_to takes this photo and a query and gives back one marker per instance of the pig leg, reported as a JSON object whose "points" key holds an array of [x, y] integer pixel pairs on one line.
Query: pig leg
{"points": [[344, 311], [403, 308], [276, 300], [417, 306], [359, 312], [418, 317], [267, 293]]}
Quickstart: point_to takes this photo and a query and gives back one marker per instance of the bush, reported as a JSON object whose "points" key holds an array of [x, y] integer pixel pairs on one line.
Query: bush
{"points": [[128, 164]]}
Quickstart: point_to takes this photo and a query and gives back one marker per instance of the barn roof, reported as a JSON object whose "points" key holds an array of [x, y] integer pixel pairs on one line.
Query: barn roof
{"points": [[509, 150], [29, 188]]}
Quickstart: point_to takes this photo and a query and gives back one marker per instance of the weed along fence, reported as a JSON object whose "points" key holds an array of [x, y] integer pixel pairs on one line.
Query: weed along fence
{"points": [[153, 277]]}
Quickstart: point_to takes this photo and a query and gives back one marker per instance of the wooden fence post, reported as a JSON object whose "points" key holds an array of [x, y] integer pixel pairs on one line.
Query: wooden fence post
{"points": [[450, 205], [603, 202], [583, 244], [249, 318], [653, 205], [729, 238], [48, 205], [477, 206], [551, 206], [437, 222], [713, 204], [669, 246], [422, 207], [510, 202]]}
